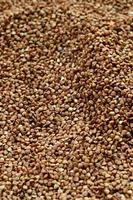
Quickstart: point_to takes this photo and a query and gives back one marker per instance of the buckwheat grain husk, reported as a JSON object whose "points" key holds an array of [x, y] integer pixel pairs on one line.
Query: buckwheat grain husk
{"points": [[66, 100]]}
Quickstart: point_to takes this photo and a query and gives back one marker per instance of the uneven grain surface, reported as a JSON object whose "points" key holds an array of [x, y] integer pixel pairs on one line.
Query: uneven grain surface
{"points": [[66, 100]]}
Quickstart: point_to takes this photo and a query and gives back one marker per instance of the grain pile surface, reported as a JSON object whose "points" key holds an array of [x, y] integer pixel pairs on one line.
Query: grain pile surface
{"points": [[66, 100]]}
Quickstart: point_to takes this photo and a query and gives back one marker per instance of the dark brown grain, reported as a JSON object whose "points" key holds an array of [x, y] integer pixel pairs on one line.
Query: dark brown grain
{"points": [[66, 100]]}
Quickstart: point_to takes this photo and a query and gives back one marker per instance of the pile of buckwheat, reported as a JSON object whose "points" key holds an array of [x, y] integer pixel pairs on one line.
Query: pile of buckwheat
{"points": [[66, 100]]}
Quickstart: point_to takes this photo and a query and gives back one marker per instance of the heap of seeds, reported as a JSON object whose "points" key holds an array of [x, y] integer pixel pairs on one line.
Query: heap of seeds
{"points": [[66, 100]]}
